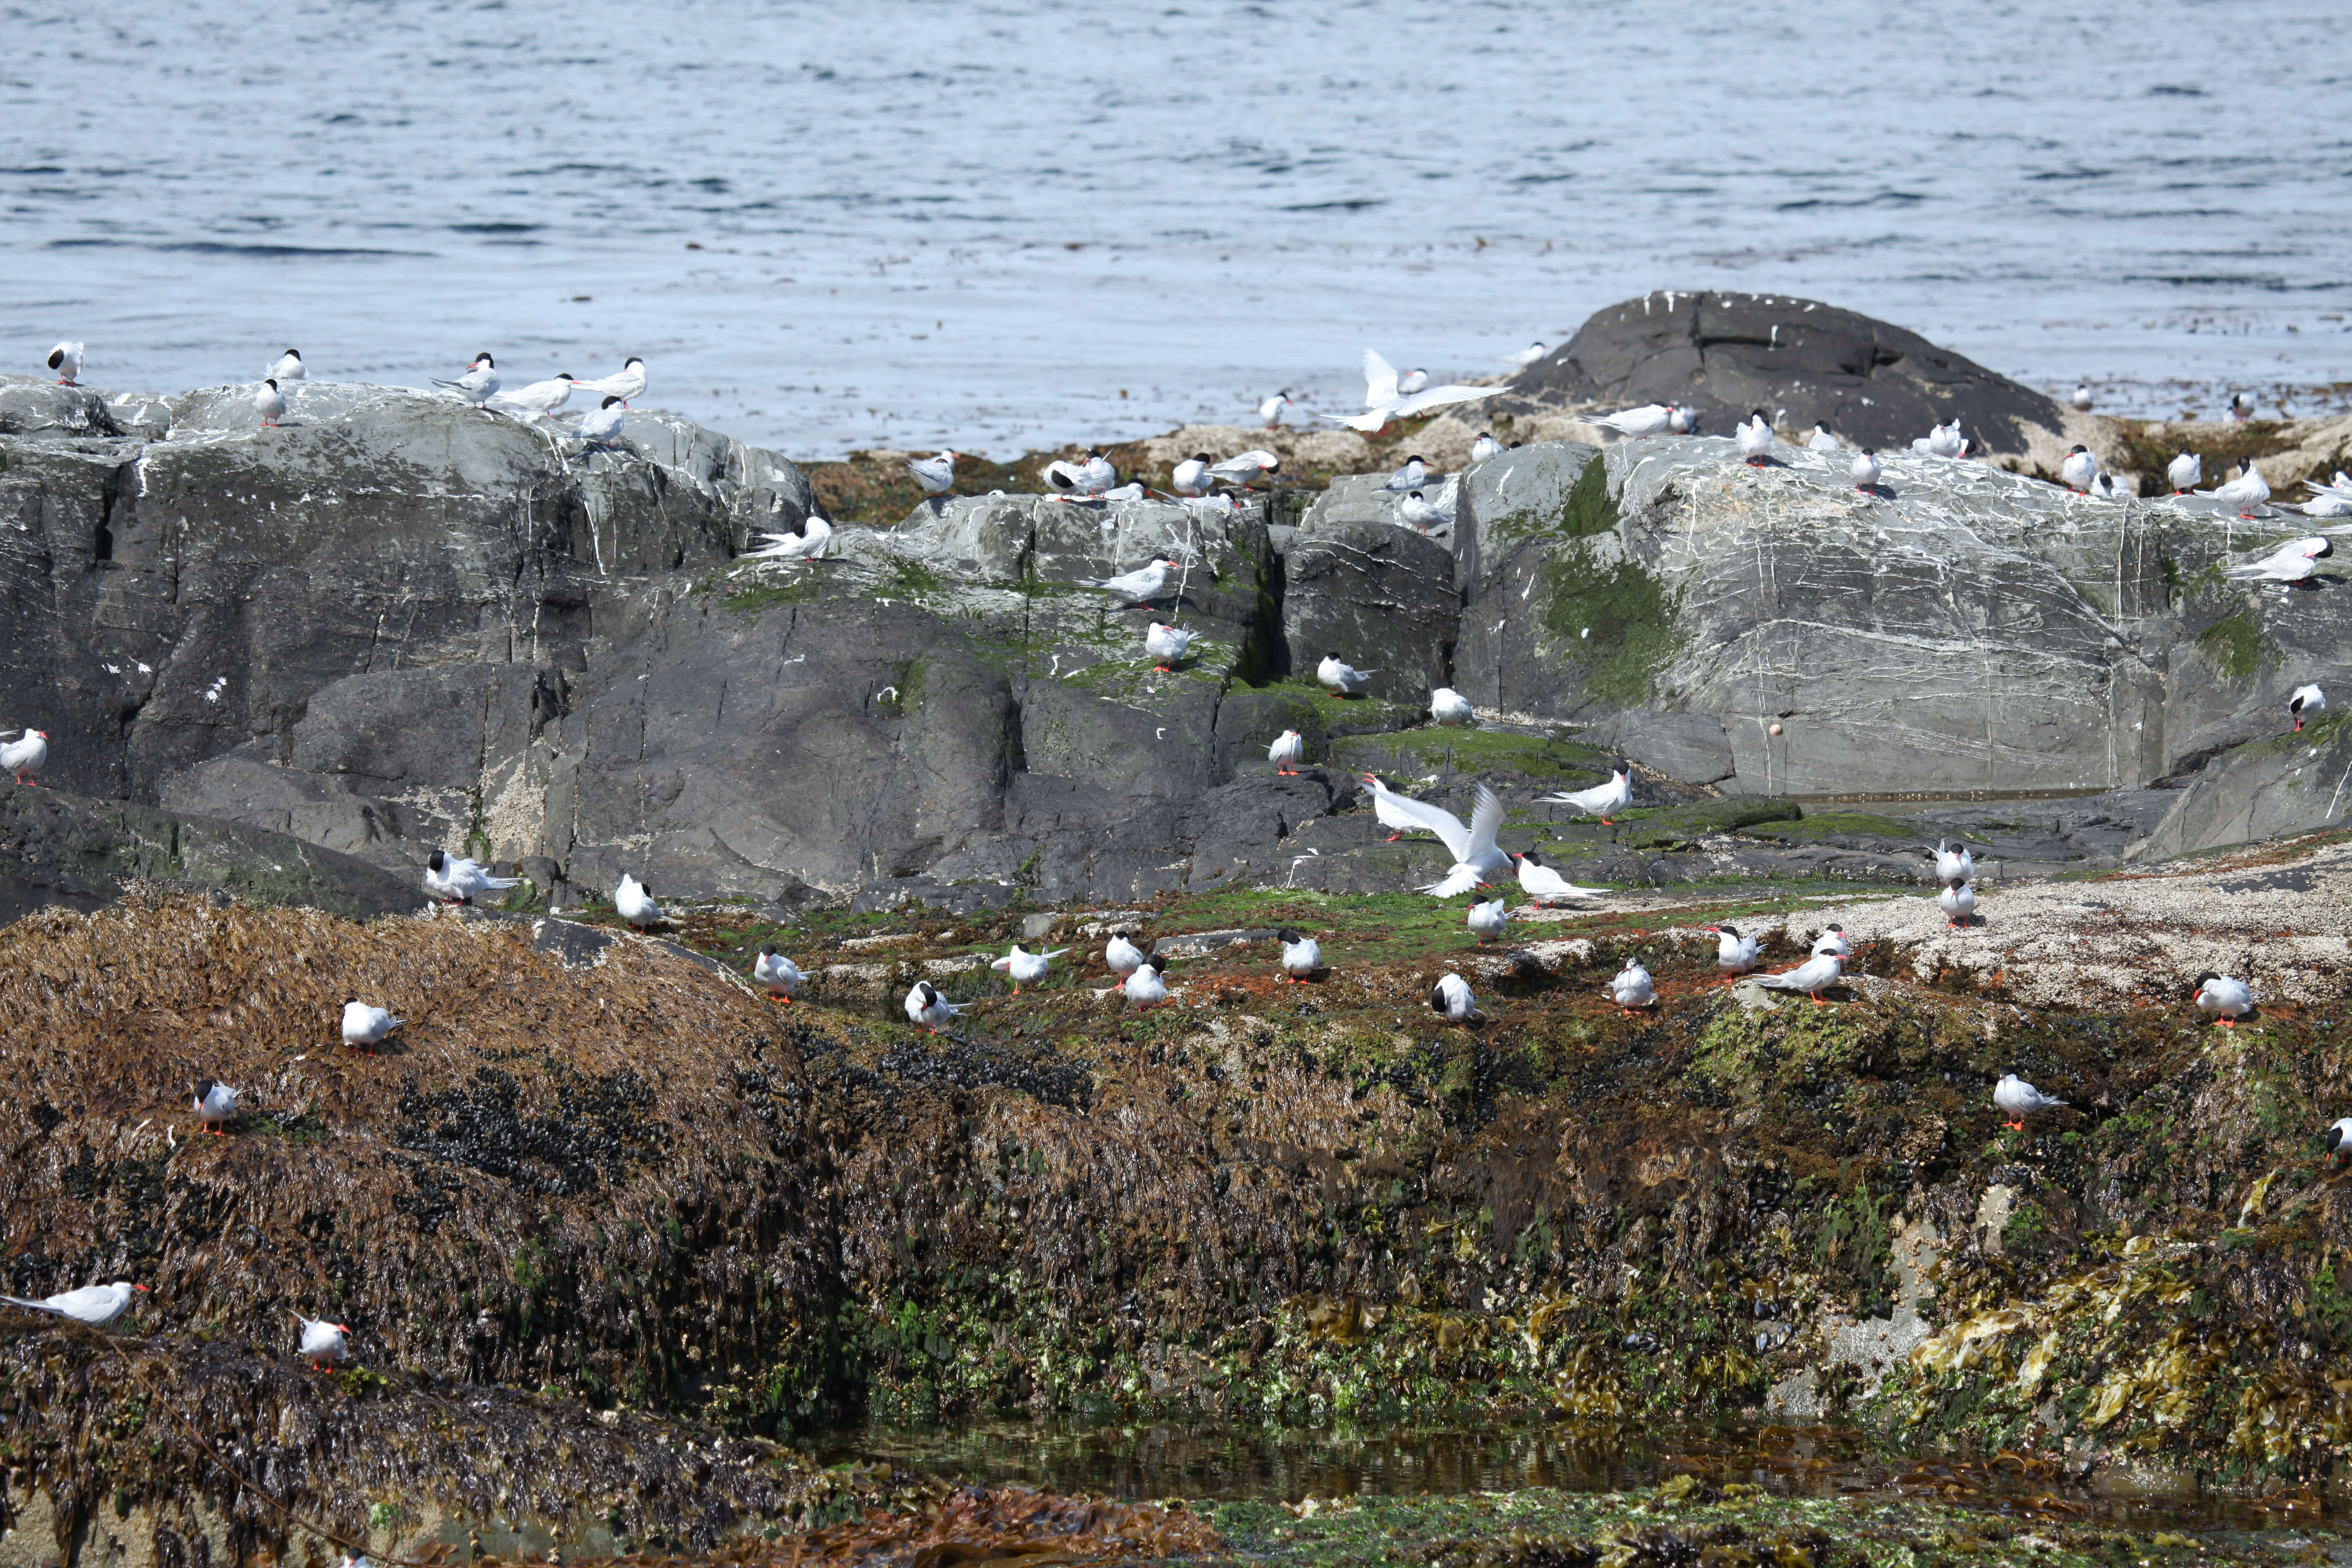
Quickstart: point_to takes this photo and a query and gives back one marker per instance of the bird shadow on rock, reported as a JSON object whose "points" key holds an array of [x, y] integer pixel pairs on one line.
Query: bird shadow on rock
{"points": [[1878, 492]]}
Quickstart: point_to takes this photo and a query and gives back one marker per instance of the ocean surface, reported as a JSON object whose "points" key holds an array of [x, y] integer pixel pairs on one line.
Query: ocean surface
{"points": [[1003, 224]]}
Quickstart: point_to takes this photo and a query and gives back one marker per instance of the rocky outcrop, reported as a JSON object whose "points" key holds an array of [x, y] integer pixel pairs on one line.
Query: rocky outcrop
{"points": [[1723, 355]]}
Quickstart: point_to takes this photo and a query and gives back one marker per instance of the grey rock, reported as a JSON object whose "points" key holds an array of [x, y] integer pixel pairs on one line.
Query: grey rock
{"points": [[1726, 353], [58, 848], [2283, 785], [1688, 747], [1379, 596]]}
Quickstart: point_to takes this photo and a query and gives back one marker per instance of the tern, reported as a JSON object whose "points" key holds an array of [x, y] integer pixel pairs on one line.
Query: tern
{"points": [[1812, 976], [1821, 440], [925, 1007], [1448, 706], [629, 383], [779, 975], [1386, 399], [1143, 584], [2185, 473], [1021, 966], [1684, 421], [1541, 884], [2021, 1099], [288, 367], [1631, 988], [635, 903], [478, 384], [2079, 469], [456, 879], [2082, 399], [1167, 643], [2307, 701], [25, 754], [1756, 440], [2229, 1000], [2246, 492], [1483, 448], [601, 426], [2338, 1131], [1529, 355], [1243, 468], [323, 1341], [1735, 954], [1090, 475], [1411, 477], [215, 1103], [66, 360], [1476, 857], [1147, 986], [540, 400], [364, 1028], [1833, 940], [1451, 998], [2242, 407], [1959, 902], [1190, 477], [1866, 469], [1289, 750], [1650, 419], [270, 402], [1943, 441], [1301, 956], [2294, 562], [1603, 801], [1269, 413], [1416, 510], [808, 544], [97, 1305], [935, 474], [1412, 381], [1955, 864], [1486, 921], [1121, 956], [1341, 678]]}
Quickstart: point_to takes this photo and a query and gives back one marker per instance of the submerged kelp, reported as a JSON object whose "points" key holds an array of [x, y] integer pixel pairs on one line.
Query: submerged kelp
{"points": [[633, 1186]]}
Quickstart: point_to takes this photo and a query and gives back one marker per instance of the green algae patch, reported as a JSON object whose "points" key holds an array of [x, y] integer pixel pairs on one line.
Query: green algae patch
{"points": [[2236, 646]]}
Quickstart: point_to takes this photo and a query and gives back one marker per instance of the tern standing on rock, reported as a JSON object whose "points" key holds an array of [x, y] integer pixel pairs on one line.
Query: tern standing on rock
{"points": [[629, 383], [1959, 902], [1341, 678], [1121, 956], [2021, 1099], [25, 754], [1448, 706], [1735, 954], [2246, 492], [1822, 440], [478, 384], [1812, 976], [925, 1007], [1190, 477], [1289, 750], [1269, 413], [97, 1305], [323, 1341], [2295, 562], [66, 360], [1650, 419], [1955, 864], [1542, 885], [1632, 989], [456, 879], [1833, 940], [1756, 440], [1244, 469], [2228, 1000], [779, 975], [936, 475], [2185, 473], [1451, 998], [364, 1028], [1866, 469], [1529, 355], [601, 426], [270, 402], [1411, 477], [1301, 956], [1417, 510], [1603, 801], [2079, 469], [2307, 702], [1142, 586], [1166, 644], [635, 903], [288, 367], [1483, 448], [1148, 988], [215, 1103], [1486, 921]]}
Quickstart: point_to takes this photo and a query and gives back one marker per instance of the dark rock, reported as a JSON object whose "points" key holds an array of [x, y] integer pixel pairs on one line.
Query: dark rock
{"points": [[1379, 596], [1724, 354], [2285, 784], [1688, 747], [62, 849]]}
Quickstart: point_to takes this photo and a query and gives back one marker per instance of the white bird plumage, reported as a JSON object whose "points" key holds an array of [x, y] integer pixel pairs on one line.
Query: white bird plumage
{"points": [[1418, 511], [1631, 988], [1650, 419], [1023, 967], [809, 543], [2078, 468], [635, 904], [1411, 476], [1821, 440], [1288, 749], [1475, 858], [1959, 902], [25, 754], [1269, 413], [458, 879], [2294, 562], [478, 384], [270, 402], [1142, 586], [1812, 976], [1483, 448], [1147, 985], [1956, 864], [1486, 921], [2185, 473], [323, 1341], [1244, 469], [2021, 1099], [2228, 1000], [66, 360], [1603, 800], [1756, 439], [216, 1104], [97, 1305], [925, 1007], [1385, 397], [540, 399], [289, 367], [1734, 952], [1541, 884], [2246, 492], [1341, 678], [628, 382], [777, 975], [364, 1028], [1089, 476], [1166, 644], [935, 474], [1865, 470], [2307, 701], [601, 426], [1121, 956], [1302, 955], [1190, 477], [1451, 998], [1529, 355], [1834, 940], [1448, 706]]}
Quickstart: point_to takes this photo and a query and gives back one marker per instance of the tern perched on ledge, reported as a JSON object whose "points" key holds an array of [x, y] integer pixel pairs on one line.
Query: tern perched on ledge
{"points": [[288, 367], [458, 879], [1289, 750], [1650, 419], [2307, 701], [1147, 986], [25, 754], [97, 1305], [1959, 902], [628, 383], [364, 1028], [2246, 492], [2294, 562], [216, 1104], [1244, 469], [1632, 989], [1833, 940], [1091, 476], [323, 1341], [2021, 1099], [66, 360], [1486, 921], [1735, 954], [1166, 644], [1865, 470], [779, 975], [1451, 998], [1603, 801], [1812, 976], [1190, 477], [935, 474], [1955, 864], [1121, 956], [1756, 439], [1142, 586], [1269, 413], [270, 404], [925, 1007], [2185, 473], [1021, 966], [1385, 398], [1341, 678], [1448, 706], [478, 384], [1541, 884], [2229, 1000], [808, 544]]}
